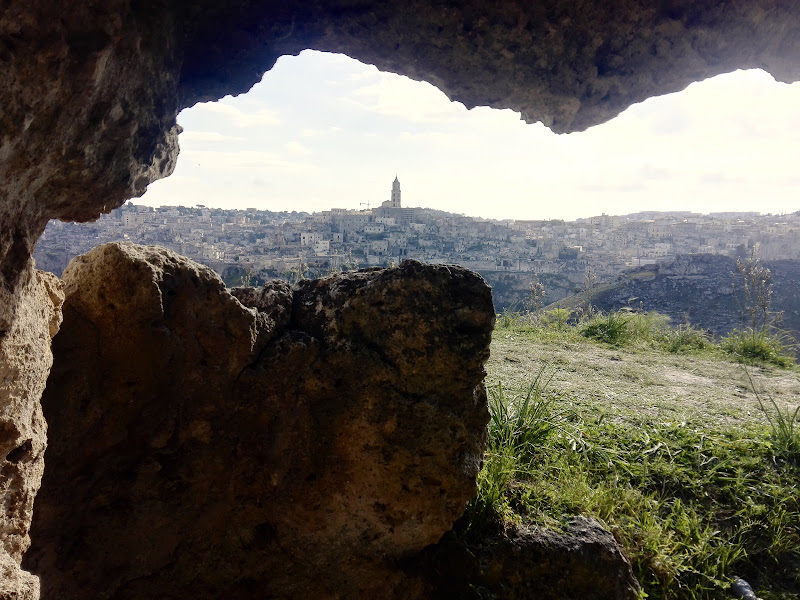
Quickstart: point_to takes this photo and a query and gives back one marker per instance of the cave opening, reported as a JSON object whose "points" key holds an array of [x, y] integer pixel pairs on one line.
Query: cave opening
{"points": [[323, 131]]}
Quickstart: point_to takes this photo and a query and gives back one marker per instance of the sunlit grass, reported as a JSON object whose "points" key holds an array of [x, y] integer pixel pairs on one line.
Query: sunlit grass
{"points": [[694, 502], [625, 328]]}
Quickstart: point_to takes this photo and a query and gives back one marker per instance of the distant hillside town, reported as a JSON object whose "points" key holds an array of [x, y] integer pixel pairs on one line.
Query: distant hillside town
{"points": [[250, 246]]}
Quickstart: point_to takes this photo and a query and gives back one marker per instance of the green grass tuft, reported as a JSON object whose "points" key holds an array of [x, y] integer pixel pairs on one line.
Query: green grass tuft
{"points": [[519, 428], [784, 424], [612, 328], [757, 347], [685, 338], [692, 507]]}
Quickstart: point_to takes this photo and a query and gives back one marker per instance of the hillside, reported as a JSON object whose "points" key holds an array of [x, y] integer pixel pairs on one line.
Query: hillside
{"points": [[696, 289]]}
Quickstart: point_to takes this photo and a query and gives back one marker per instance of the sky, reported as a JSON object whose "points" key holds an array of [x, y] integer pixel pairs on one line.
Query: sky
{"points": [[325, 131]]}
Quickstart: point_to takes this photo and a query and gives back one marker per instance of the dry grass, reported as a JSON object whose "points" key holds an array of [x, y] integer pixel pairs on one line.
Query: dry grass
{"points": [[649, 382]]}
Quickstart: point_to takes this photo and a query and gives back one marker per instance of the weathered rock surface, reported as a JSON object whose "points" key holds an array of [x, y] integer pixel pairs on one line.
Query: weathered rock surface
{"points": [[25, 361], [583, 562], [292, 448], [88, 119]]}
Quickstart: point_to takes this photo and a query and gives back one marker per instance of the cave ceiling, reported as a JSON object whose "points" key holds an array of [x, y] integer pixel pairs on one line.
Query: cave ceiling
{"points": [[569, 64]]}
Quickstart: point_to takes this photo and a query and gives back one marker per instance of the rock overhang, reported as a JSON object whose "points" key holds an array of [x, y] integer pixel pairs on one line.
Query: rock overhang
{"points": [[570, 65]]}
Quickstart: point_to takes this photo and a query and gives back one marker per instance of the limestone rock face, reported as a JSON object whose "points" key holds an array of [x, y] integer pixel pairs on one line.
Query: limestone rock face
{"points": [[25, 360], [277, 442], [88, 118], [582, 563]]}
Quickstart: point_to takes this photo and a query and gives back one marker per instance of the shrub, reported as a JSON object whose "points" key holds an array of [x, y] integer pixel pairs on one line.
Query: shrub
{"points": [[759, 339], [685, 338], [647, 326], [752, 347], [612, 328], [556, 318]]}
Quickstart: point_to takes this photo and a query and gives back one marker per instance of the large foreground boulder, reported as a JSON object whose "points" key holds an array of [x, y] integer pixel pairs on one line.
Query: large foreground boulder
{"points": [[290, 443], [25, 361]]}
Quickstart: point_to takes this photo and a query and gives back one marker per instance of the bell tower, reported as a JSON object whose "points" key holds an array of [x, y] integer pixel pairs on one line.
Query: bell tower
{"points": [[395, 202]]}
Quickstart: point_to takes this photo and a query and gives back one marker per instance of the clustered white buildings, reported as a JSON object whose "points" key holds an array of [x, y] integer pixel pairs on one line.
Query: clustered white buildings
{"points": [[283, 243]]}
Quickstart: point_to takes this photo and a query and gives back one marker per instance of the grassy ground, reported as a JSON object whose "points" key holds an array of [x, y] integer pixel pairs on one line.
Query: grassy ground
{"points": [[695, 474]]}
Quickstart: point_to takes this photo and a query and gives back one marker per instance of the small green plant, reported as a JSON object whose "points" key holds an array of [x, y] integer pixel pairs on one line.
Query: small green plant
{"points": [[612, 328], [685, 338], [508, 319], [535, 299], [519, 426], [618, 328], [589, 283], [556, 318], [753, 294], [752, 347], [784, 424], [647, 326], [758, 339]]}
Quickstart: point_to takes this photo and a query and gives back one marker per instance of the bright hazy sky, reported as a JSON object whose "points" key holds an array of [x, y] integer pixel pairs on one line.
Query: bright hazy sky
{"points": [[323, 130]]}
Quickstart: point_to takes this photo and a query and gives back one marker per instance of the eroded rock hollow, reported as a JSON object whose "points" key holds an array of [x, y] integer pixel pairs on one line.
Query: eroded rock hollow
{"points": [[275, 442], [90, 90]]}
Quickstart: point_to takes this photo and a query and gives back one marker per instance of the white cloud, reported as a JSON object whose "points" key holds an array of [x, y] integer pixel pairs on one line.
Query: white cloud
{"points": [[321, 132], [296, 148], [242, 160], [208, 136], [239, 117], [398, 96], [730, 139], [437, 138]]}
